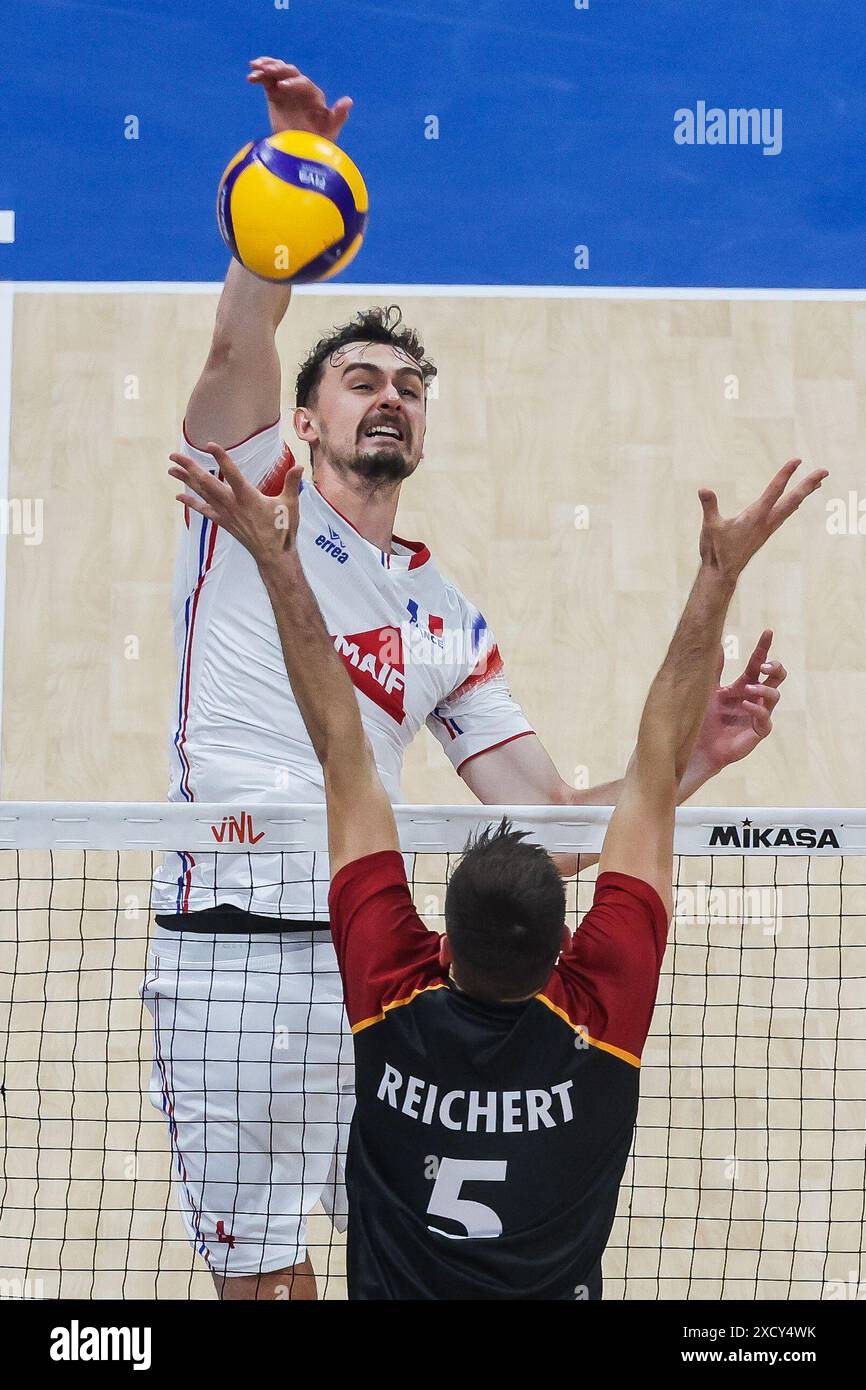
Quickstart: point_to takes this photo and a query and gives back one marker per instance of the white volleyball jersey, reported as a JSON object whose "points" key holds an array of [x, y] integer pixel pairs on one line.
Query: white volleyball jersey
{"points": [[416, 649]]}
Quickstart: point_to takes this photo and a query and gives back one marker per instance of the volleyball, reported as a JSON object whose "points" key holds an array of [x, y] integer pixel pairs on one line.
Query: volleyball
{"points": [[292, 208]]}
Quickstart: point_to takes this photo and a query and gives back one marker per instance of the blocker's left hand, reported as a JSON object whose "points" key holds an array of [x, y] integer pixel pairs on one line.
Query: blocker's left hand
{"points": [[267, 526], [740, 715]]}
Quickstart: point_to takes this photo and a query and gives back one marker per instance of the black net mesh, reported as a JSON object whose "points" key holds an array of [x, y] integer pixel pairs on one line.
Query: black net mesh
{"points": [[747, 1174]]}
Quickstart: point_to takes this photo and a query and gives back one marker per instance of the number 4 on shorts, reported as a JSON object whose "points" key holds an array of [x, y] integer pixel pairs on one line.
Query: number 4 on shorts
{"points": [[481, 1222]]}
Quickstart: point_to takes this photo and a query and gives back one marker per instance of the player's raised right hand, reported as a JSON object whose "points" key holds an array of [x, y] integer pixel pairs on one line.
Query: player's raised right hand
{"points": [[727, 544], [267, 526], [296, 103]]}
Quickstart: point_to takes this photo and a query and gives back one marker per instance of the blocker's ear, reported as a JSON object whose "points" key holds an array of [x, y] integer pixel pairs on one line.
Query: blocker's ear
{"points": [[445, 956]]}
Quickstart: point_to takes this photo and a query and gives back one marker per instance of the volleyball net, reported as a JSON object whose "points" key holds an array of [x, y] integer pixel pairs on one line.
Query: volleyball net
{"points": [[748, 1170]]}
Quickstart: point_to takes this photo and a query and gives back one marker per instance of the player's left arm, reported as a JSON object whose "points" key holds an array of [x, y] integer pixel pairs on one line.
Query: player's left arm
{"points": [[360, 819], [738, 718]]}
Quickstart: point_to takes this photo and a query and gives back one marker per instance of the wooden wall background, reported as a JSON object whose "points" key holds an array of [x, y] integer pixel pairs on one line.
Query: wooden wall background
{"points": [[544, 406]]}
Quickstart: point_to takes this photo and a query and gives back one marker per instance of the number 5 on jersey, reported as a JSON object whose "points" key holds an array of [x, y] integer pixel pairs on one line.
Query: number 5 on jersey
{"points": [[480, 1221]]}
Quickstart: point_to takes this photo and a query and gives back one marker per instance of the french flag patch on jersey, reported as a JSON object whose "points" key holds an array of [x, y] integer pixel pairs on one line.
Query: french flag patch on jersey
{"points": [[428, 622]]}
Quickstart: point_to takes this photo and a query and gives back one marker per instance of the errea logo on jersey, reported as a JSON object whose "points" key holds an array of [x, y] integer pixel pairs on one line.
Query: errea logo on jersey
{"points": [[374, 661], [332, 544]]}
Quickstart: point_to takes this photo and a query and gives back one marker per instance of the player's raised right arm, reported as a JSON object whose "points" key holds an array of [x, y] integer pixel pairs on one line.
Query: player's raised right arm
{"points": [[238, 391], [639, 839]]}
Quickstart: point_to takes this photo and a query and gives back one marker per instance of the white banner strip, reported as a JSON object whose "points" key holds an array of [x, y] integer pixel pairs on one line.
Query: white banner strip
{"points": [[784, 830], [334, 289]]}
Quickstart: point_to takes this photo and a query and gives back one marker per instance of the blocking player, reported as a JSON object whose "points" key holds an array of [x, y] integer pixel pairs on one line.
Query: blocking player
{"points": [[251, 1063], [497, 1067]]}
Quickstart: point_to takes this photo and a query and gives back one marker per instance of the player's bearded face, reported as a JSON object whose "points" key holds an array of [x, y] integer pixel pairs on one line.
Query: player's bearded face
{"points": [[372, 414], [379, 458]]}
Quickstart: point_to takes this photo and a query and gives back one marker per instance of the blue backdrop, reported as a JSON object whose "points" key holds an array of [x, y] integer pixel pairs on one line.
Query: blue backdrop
{"points": [[556, 129]]}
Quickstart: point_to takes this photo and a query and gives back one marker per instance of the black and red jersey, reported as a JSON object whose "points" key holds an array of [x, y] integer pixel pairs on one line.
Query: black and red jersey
{"points": [[488, 1141]]}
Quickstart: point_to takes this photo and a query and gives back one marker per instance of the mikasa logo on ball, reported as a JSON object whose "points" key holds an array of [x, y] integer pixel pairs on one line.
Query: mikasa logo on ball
{"points": [[312, 176]]}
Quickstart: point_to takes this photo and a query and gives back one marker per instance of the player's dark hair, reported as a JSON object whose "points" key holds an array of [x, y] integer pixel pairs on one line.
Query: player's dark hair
{"points": [[375, 325], [504, 914]]}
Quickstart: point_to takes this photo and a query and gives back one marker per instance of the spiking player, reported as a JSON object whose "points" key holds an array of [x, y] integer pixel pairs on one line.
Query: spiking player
{"points": [[242, 952], [497, 1067]]}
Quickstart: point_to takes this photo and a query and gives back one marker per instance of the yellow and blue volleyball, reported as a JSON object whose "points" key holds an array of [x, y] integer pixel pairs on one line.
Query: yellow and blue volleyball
{"points": [[293, 208]]}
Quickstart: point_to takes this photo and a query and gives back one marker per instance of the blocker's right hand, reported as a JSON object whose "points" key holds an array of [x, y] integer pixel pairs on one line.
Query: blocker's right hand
{"points": [[267, 526], [727, 544], [296, 103]]}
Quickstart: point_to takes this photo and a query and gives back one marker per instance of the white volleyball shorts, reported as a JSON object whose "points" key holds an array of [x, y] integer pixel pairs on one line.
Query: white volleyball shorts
{"points": [[253, 1071]]}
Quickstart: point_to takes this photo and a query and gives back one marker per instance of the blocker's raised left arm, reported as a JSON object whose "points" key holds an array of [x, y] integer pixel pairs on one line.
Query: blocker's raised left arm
{"points": [[360, 819]]}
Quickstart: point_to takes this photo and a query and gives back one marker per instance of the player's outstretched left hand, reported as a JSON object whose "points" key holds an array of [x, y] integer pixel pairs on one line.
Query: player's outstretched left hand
{"points": [[739, 715], [267, 526]]}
